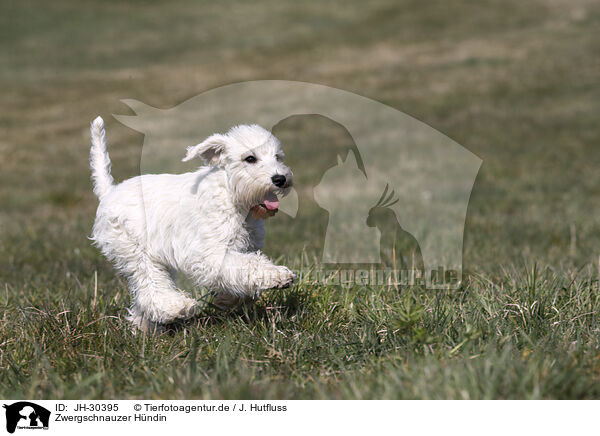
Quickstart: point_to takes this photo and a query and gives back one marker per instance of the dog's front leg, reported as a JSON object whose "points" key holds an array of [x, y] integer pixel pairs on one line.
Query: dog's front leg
{"points": [[249, 273], [246, 274]]}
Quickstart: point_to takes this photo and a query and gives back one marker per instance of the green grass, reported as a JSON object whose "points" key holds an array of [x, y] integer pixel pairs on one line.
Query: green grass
{"points": [[534, 337], [514, 82]]}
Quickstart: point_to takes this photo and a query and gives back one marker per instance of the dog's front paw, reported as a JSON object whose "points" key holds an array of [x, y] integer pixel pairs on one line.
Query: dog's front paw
{"points": [[278, 277], [287, 278]]}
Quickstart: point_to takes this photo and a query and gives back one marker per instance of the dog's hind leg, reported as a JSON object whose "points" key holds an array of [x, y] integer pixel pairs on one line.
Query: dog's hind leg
{"points": [[155, 299]]}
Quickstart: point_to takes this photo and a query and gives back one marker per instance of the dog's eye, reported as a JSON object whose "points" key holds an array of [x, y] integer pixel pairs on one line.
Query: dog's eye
{"points": [[250, 159], [279, 157]]}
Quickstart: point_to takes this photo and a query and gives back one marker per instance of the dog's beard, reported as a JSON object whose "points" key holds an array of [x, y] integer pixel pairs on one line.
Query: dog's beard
{"points": [[267, 207], [260, 212], [261, 198], [261, 202]]}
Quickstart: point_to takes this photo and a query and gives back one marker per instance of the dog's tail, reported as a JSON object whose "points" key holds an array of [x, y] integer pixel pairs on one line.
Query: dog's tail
{"points": [[99, 160]]}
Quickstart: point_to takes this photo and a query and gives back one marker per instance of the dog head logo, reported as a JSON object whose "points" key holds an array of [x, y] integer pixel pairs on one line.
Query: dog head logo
{"points": [[430, 175], [26, 415]]}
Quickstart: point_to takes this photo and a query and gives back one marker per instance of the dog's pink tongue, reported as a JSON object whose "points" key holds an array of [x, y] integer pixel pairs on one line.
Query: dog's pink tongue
{"points": [[271, 201]]}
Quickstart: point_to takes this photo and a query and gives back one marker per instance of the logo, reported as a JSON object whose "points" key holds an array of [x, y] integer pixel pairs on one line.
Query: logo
{"points": [[26, 415], [395, 201]]}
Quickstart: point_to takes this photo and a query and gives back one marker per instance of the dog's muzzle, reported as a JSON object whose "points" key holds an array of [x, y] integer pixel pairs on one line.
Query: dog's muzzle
{"points": [[279, 180], [267, 208]]}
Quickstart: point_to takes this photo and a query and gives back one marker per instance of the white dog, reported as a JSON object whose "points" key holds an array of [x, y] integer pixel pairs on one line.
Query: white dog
{"points": [[207, 224]]}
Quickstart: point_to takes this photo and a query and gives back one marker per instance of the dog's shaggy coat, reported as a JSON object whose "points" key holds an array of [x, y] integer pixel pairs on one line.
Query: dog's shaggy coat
{"points": [[205, 224]]}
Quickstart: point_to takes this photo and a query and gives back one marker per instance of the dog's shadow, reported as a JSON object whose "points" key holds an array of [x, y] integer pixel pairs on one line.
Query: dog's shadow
{"points": [[285, 302]]}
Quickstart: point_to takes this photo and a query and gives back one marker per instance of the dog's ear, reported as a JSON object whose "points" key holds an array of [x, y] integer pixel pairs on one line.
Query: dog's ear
{"points": [[210, 149]]}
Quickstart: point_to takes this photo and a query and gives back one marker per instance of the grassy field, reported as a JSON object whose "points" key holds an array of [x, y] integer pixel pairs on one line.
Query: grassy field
{"points": [[517, 83]]}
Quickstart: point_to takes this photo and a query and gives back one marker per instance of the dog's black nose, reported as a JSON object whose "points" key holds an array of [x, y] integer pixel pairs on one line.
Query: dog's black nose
{"points": [[278, 180]]}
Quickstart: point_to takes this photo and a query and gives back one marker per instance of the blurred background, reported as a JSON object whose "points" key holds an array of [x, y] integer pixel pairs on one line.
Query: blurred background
{"points": [[514, 82]]}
